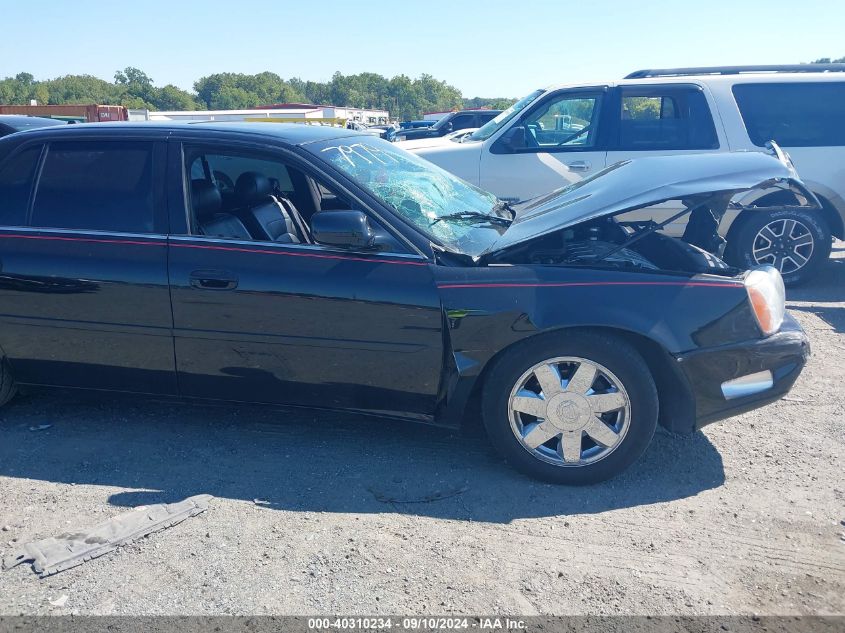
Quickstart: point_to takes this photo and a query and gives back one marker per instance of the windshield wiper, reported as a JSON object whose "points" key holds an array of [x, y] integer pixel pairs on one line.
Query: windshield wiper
{"points": [[473, 216]]}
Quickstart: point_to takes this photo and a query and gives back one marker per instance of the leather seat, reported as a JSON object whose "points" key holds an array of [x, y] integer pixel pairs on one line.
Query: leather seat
{"points": [[266, 217], [207, 201]]}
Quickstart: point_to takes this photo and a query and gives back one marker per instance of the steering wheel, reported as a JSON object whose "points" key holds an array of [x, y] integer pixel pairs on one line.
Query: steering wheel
{"points": [[572, 137]]}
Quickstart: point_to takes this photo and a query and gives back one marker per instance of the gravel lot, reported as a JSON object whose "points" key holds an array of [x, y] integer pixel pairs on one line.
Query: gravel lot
{"points": [[365, 516]]}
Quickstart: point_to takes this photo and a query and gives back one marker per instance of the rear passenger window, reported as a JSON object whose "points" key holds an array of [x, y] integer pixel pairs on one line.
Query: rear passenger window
{"points": [[674, 119], [96, 186], [799, 114], [15, 186]]}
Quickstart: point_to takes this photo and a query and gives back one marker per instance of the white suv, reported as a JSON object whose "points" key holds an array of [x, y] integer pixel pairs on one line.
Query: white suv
{"points": [[558, 135]]}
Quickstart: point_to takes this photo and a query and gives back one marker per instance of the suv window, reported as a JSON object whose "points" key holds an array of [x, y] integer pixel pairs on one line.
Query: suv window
{"points": [[16, 185], [568, 121], [665, 119], [799, 114], [100, 186]]}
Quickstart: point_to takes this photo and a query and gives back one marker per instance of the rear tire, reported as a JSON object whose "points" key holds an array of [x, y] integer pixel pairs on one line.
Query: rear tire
{"points": [[598, 407], [795, 241]]}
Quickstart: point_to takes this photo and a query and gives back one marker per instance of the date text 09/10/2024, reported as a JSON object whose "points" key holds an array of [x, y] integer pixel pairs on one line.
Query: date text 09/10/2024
{"points": [[423, 623]]}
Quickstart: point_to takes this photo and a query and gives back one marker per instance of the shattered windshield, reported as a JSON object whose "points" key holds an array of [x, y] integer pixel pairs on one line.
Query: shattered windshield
{"points": [[452, 212]]}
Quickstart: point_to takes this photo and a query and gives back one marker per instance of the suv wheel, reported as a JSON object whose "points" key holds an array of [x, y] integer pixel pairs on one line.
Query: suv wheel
{"points": [[795, 241], [576, 408]]}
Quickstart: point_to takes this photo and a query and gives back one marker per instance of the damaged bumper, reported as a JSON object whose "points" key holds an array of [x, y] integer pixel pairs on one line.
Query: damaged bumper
{"points": [[732, 379]]}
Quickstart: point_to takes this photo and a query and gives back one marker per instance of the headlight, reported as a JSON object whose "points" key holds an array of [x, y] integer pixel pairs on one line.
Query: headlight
{"points": [[766, 294]]}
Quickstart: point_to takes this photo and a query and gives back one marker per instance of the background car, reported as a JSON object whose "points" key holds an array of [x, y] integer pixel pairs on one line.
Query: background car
{"points": [[411, 125], [561, 134], [11, 123], [365, 129], [313, 266], [457, 136], [450, 123]]}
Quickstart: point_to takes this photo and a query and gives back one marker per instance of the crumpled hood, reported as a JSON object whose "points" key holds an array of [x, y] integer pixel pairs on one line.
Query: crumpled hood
{"points": [[634, 184]]}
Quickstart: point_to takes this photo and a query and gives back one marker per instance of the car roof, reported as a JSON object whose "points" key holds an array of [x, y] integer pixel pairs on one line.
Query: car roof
{"points": [[24, 119], [707, 78], [291, 133]]}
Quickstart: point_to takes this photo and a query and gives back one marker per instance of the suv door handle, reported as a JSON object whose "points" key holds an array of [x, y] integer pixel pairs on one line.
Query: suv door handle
{"points": [[579, 165], [214, 280]]}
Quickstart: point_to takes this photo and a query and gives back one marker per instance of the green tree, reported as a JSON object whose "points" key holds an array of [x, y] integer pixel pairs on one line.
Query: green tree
{"points": [[403, 96], [221, 90], [79, 89], [135, 88], [171, 97], [486, 102]]}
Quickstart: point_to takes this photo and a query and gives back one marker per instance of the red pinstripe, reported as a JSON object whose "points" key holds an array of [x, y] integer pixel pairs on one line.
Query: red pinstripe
{"points": [[570, 284]]}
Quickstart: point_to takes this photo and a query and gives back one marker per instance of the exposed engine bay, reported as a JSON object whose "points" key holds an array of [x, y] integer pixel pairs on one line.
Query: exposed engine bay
{"points": [[607, 242]]}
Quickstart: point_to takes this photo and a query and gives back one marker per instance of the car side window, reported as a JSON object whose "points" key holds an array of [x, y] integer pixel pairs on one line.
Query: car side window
{"points": [[16, 178], [667, 119], [244, 196], [567, 122], [100, 186], [462, 121]]}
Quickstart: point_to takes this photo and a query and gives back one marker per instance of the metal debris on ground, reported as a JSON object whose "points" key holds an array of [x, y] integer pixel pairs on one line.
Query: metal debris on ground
{"points": [[60, 601], [52, 555]]}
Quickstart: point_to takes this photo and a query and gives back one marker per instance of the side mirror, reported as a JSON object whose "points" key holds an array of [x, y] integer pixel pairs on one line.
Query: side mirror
{"points": [[347, 229], [511, 141]]}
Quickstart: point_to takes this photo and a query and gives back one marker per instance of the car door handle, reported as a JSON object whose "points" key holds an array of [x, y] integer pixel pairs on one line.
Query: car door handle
{"points": [[214, 280], [579, 165]]}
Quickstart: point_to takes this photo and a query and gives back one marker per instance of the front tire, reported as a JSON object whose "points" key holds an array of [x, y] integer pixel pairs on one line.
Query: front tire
{"points": [[577, 407], [795, 241]]}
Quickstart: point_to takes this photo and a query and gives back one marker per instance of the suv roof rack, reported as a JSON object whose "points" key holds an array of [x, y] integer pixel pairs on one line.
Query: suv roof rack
{"points": [[736, 70]]}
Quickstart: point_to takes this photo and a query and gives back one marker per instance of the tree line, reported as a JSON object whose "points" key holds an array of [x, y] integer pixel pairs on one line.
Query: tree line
{"points": [[404, 97]]}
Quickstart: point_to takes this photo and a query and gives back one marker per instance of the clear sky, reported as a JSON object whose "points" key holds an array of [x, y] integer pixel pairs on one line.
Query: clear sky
{"points": [[485, 48]]}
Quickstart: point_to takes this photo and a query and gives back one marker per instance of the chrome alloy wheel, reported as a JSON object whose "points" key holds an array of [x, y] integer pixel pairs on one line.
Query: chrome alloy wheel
{"points": [[569, 411], [785, 244]]}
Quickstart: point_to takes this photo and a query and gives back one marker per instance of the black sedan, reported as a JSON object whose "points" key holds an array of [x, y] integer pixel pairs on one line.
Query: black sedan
{"points": [[452, 122], [311, 266], [11, 123]]}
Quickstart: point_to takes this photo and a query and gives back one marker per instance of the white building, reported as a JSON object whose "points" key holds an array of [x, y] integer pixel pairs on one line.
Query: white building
{"points": [[279, 113], [362, 115]]}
